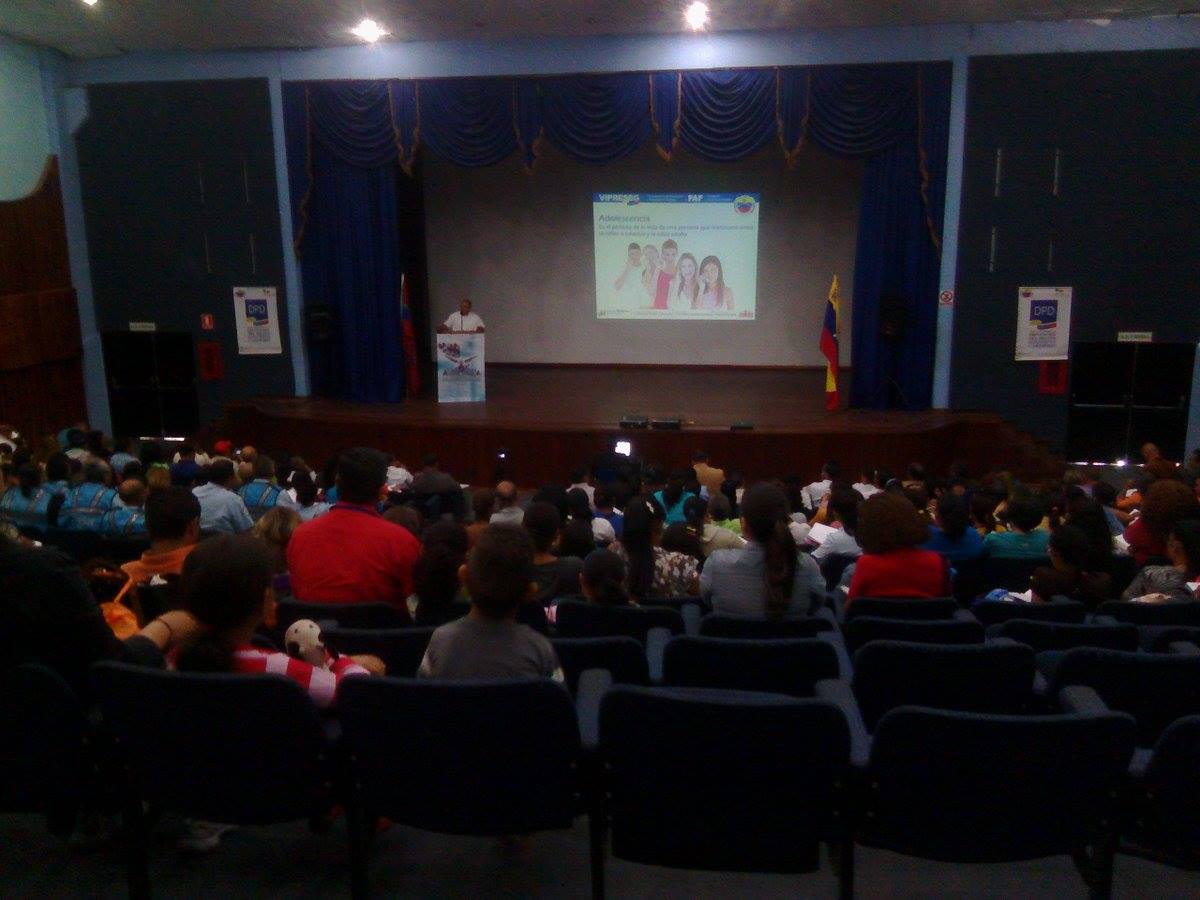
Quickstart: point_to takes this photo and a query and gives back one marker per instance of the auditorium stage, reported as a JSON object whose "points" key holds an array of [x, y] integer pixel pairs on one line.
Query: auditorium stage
{"points": [[552, 418]]}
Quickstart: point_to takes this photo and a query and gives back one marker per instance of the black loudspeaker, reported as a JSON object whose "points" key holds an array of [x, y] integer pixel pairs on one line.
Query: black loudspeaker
{"points": [[893, 317], [742, 426], [634, 422], [666, 424]]}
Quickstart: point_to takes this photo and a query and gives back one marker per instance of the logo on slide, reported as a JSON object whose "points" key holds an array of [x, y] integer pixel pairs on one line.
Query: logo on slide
{"points": [[1044, 314], [744, 204]]}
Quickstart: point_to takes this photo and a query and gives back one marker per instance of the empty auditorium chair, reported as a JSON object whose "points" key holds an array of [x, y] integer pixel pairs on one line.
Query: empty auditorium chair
{"points": [[1163, 638], [401, 649], [1185, 612], [727, 626], [721, 780], [963, 629], [996, 677], [624, 658], [1066, 635], [789, 666], [579, 618], [347, 615], [1155, 688], [993, 612], [901, 608], [969, 787], [42, 763], [1165, 820], [240, 749], [494, 758]]}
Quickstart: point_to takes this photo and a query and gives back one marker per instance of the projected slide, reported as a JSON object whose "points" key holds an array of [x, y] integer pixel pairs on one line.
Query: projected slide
{"points": [[675, 256]]}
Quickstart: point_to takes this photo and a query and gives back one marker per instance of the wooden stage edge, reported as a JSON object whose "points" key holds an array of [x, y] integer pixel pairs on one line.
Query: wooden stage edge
{"points": [[551, 419]]}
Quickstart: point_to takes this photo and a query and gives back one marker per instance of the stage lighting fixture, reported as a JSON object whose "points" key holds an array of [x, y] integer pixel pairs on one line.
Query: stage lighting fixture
{"points": [[742, 425], [369, 30], [625, 448], [634, 421], [696, 16], [91, 2], [666, 424]]}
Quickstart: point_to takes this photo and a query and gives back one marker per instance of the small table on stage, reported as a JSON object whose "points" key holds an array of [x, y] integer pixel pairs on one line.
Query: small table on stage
{"points": [[460, 367]]}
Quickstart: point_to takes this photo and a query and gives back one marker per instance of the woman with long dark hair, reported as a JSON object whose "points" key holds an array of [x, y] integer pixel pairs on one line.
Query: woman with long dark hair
{"points": [[951, 533], [714, 292], [653, 571], [603, 579], [435, 574], [307, 504], [769, 578]]}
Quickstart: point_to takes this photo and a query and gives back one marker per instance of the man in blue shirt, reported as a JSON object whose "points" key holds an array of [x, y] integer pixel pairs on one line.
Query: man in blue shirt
{"points": [[129, 519], [87, 503], [262, 493], [220, 508]]}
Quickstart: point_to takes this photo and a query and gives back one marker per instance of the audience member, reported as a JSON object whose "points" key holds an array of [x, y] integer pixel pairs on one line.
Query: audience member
{"points": [[576, 539], [710, 478], [842, 513], [28, 503], [603, 579], [653, 570], [1071, 573], [173, 524], [437, 590], [483, 504], [554, 575], [1024, 539], [672, 496], [488, 642], [262, 493], [951, 534], [158, 479], [121, 456], [307, 505], [893, 564], [1106, 495], [868, 484], [1156, 464], [812, 494], [507, 512], [85, 505], [129, 518], [275, 529], [186, 468], [1130, 499], [579, 481], [407, 517], [432, 480], [770, 577], [352, 554], [1177, 581], [720, 511], [1166, 502], [398, 476], [579, 508], [604, 502], [221, 510], [712, 537]]}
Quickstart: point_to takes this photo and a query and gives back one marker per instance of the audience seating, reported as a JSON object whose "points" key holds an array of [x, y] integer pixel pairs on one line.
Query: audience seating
{"points": [[624, 658], [966, 787], [996, 677], [791, 666], [1186, 612], [42, 741], [721, 780], [864, 629], [1066, 635], [578, 618], [901, 608], [993, 612], [240, 749], [401, 649], [1164, 822], [727, 626], [470, 758], [1163, 638], [347, 615], [1156, 689], [973, 577], [833, 567]]}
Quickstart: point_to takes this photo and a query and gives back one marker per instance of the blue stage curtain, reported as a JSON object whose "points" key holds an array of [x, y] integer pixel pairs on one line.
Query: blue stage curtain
{"points": [[468, 121], [665, 90], [725, 115], [898, 258], [596, 119]]}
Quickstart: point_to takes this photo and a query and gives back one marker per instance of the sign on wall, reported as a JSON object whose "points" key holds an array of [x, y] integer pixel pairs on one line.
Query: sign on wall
{"points": [[257, 316], [1043, 322]]}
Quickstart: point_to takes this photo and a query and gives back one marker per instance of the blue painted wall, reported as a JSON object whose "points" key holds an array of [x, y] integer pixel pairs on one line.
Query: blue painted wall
{"points": [[24, 134], [685, 51]]}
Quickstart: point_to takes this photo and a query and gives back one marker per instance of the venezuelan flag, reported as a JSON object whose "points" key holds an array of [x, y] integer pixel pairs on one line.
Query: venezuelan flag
{"points": [[829, 347]]}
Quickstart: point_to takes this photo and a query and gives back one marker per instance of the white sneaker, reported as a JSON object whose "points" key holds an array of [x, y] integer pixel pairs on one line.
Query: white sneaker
{"points": [[202, 837]]}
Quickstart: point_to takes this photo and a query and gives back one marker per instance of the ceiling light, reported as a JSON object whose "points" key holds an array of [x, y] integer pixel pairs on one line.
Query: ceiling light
{"points": [[696, 16], [91, 2], [369, 31]]}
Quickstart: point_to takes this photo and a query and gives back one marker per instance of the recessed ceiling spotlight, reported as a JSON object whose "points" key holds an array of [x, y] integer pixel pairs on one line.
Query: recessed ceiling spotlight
{"points": [[696, 16], [369, 30], [91, 2]]}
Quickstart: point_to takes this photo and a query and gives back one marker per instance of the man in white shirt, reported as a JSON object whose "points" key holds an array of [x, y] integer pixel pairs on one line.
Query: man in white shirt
{"points": [[220, 508], [813, 494], [463, 320], [579, 479], [507, 512]]}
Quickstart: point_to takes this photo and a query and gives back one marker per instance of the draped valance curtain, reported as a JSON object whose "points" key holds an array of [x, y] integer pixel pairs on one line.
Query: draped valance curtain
{"points": [[340, 135]]}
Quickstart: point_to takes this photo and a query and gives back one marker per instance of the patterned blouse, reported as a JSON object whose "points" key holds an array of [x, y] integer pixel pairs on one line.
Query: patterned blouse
{"points": [[1159, 580], [674, 573]]}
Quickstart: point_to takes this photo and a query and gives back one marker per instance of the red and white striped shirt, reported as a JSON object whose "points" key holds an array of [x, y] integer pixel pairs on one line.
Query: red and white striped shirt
{"points": [[321, 684]]}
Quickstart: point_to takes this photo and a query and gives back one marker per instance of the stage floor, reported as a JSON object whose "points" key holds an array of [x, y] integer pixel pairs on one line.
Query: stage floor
{"points": [[553, 418]]}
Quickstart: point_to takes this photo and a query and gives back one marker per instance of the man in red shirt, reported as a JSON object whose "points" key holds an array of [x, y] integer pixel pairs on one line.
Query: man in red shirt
{"points": [[352, 554]]}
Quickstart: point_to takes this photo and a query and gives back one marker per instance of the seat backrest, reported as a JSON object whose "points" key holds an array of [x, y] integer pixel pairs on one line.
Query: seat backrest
{"points": [[401, 649], [623, 657], [967, 787], [42, 762], [992, 612], [1065, 635], [1155, 688], [467, 757], [1168, 809], [579, 618], [834, 566], [1185, 612], [727, 626], [252, 746], [864, 629], [902, 607], [993, 678], [973, 577], [347, 615], [791, 666], [722, 780], [1163, 638]]}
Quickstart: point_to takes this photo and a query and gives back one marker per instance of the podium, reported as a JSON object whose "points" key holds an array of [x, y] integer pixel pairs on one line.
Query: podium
{"points": [[460, 367]]}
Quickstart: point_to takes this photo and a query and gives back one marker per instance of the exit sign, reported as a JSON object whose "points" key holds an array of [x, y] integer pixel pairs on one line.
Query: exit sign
{"points": [[1135, 337]]}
